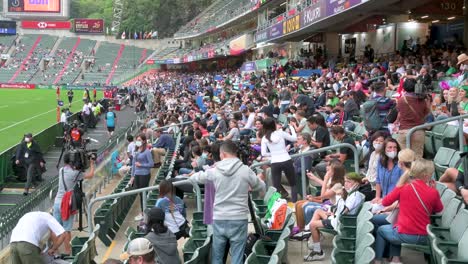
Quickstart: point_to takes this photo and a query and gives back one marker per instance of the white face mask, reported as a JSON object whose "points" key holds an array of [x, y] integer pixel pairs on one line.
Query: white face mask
{"points": [[377, 146], [391, 154], [138, 143], [27, 139], [219, 118], [462, 67]]}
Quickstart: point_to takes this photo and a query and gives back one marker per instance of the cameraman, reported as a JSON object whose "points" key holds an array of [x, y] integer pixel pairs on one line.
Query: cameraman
{"points": [[69, 176], [76, 135], [29, 155], [412, 111]]}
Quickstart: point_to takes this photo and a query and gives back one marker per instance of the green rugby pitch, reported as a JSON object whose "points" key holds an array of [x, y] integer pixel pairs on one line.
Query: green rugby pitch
{"points": [[23, 111]]}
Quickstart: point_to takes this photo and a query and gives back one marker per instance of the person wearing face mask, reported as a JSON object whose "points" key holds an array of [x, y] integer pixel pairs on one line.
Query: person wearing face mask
{"points": [[377, 142], [141, 168], [418, 200], [388, 170], [462, 63], [346, 203], [29, 155]]}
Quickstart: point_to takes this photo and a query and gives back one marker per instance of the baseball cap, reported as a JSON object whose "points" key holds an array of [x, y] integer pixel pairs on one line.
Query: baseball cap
{"points": [[139, 247], [155, 214]]}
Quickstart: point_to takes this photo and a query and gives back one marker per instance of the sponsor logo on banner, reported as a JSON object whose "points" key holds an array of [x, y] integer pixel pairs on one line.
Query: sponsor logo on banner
{"points": [[17, 85], [261, 36], [150, 62], [291, 25], [337, 6], [84, 25], [276, 31], [249, 66], [45, 24], [312, 14]]}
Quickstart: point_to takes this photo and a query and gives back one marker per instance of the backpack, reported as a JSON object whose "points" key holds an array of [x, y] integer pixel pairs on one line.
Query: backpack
{"points": [[75, 203], [371, 116]]}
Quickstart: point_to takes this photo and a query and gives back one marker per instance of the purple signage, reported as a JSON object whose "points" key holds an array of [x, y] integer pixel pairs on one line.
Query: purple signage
{"points": [[337, 6], [249, 66], [275, 31], [313, 13]]}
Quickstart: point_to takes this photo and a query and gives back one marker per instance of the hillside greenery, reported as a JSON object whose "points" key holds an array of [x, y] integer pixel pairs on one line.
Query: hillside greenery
{"points": [[164, 16]]}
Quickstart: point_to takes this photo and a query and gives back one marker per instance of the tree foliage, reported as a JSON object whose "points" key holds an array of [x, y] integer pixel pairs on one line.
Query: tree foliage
{"points": [[164, 16]]}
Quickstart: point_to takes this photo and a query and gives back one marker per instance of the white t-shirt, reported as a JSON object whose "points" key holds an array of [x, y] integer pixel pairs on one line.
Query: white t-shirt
{"points": [[277, 146], [33, 226], [131, 148], [86, 109], [63, 118], [352, 202]]}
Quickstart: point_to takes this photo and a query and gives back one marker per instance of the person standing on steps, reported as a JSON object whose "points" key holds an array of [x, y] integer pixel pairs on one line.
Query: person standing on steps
{"points": [[141, 168], [68, 177], [232, 181], [111, 120], [29, 155]]}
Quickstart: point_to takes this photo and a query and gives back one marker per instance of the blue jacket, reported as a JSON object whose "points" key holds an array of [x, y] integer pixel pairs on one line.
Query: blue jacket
{"points": [[145, 158]]}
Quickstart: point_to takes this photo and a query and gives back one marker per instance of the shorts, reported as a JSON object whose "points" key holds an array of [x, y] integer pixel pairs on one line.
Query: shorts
{"points": [[67, 225], [327, 223], [110, 129]]}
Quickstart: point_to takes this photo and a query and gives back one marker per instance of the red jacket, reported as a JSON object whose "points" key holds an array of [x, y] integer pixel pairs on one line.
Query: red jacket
{"points": [[413, 219]]}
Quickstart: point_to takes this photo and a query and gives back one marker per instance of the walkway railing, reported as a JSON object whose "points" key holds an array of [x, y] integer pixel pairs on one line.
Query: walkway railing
{"points": [[460, 120], [138, 191], [316, 151]]}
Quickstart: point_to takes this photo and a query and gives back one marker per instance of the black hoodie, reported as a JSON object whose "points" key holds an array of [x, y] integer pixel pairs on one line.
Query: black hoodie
{"points": [[165, 246]]}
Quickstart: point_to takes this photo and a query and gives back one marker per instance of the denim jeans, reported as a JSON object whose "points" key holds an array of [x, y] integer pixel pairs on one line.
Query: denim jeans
{"points": [[184, 171], [379, 220], [234, 231], [309, 209], [388, 235]]}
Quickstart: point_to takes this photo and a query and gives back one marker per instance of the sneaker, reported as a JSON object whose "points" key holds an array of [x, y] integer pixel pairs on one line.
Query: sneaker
{"points": [[302, 235], [138, 217], [313, 256]]}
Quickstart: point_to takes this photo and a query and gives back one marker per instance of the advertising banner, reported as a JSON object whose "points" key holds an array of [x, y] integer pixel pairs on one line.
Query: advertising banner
{"points": [[275, 31], [337, 6], [261, 36], [7, 27], [150, 62], [292, 24], [17, 86], [85, 25], [34, 6], [45, 24], [313, 13], [240, 44], [249, 66]]}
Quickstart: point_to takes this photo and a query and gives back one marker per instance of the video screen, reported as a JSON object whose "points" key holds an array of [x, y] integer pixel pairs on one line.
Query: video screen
{"points": [[34, 6]]}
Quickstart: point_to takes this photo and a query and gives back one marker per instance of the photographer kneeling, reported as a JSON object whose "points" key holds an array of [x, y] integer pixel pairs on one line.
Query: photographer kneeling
{"points": [[69, 176]]}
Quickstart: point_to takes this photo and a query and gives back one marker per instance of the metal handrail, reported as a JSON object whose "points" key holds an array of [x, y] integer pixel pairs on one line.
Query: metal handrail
{"points": [[456, 118], [315, 151], [137, 191]]}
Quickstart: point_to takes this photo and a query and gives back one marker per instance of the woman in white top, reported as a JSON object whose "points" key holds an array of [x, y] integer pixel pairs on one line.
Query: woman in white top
{"points": [[274, 146], [377, 143]]}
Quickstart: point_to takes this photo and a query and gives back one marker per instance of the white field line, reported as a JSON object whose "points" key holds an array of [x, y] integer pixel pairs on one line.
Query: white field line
{"points": [[3, 106], [26, 120]]}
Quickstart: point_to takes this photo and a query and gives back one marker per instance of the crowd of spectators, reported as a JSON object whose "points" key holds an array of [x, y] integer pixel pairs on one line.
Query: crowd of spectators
{"points": [[276, 115]]}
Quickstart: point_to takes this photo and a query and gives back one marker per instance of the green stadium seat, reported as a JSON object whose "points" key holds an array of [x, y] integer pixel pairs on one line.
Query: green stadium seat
{"points": [[429, 141], [367, 256], [264, 253], [447, 196], [448, 215], [451, 234], [442, 160], [441, 188], [83, 256], [452, 253]]}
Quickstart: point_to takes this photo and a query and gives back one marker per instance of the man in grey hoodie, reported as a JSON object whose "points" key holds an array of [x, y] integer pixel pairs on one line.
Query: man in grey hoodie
{"points": [[232, 180]]}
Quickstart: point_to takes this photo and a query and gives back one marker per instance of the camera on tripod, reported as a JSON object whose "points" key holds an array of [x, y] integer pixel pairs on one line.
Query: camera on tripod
{"points": [[80, 158]]}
